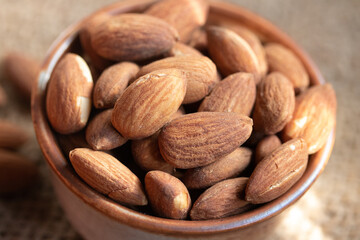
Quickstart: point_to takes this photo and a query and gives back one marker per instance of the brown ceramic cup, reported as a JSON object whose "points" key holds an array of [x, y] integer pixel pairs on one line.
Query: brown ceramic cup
{"points": [[95, 216]]}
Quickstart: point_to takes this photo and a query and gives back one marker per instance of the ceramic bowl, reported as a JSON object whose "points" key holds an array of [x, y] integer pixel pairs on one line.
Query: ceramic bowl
{"points": [[95, 216]]}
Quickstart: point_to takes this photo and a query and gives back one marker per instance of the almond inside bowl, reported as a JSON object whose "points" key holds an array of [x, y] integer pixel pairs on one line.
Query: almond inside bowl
{"points": [[96, 216]]}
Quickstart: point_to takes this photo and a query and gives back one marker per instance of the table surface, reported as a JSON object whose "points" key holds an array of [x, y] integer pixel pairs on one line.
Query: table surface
{"points": [[329, 30]]}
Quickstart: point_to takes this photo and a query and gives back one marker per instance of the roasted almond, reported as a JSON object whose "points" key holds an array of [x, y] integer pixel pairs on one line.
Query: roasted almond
{"points": [[226, 167], [100, 133], [266, 146], [199, 139], [201, 74], [231, 53], [283, 60], [275, 103], [22, 71], [107, 175], [168, 196], [16, 173], [147, 155], [149, 103], [198, 40], [97, 61], [184, 15], [180, 49], [132, 37], [68, 99], [277, 172], [254, 43], [224, 199], [112, 82], [235, 93], [314, 117], [11, 135]]}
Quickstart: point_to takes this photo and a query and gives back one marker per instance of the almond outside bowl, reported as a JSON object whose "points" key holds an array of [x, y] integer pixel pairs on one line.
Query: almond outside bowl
{"points": [[95, 216]]}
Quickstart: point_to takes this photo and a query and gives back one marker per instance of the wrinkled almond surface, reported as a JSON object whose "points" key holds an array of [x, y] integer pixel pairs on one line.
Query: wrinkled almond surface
{"points": [[201, 138], [149, 103], [132, 37], [277, 172], [108, 175], [235, 93]]}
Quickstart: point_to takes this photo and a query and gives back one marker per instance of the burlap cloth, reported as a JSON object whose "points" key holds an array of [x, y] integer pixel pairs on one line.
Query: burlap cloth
{"points": [[329, 30]]}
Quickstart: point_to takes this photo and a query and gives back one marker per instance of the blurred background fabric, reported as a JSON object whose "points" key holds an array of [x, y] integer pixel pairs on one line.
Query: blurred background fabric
{"points": [[329, 30]]}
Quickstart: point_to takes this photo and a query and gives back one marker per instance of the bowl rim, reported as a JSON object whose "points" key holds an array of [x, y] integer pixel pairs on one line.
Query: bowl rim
{"points": [[63, 170]]}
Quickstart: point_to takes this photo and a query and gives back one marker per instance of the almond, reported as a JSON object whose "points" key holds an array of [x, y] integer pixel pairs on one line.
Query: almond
{"points": [[236, 93], [132, 37], [147, 155], [16, 173], [107, 175], [101, 135], [226, 167], [275, 103], [199, 139], [277, 172], [112, 82], [149, 103], [314, 117], [11, 135], [68, 99], [3, 97], [85, 39], [266, 146], [184, 15], [201, 74], [168, 196], [224, 199], [71, 141], [254, 43], [283, 60], [22, 71], [180, 49], [231, 53]]}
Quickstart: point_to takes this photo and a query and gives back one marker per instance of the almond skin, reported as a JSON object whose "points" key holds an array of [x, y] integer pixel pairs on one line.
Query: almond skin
{"points": [[11, 135], [107, 175], [132, 37], [97, 61], [235, 93], [224, 199], [277, 172], [112, 82], [199, 139], [101, 135], [147, 155], [198, 40], [16, 173], [68, 99], [254, 43], [314, 117], [231, 53], [149, 103], [275, 103], [281, 59], [226, 167], [201, 74], [22, 71], [168, 196], [180, 49], [184, 15], [266, 146]]}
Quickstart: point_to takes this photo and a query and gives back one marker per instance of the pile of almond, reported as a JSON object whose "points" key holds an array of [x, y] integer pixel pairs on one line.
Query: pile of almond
{"points": [[195, 120]]}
